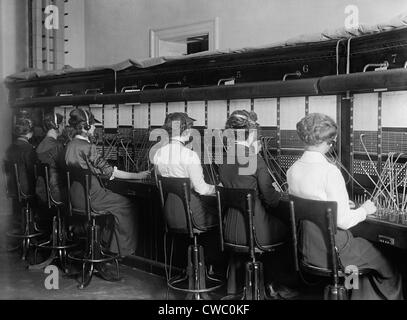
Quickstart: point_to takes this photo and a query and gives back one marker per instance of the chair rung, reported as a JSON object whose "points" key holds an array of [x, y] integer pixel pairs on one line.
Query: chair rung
{"points": [[50, 247], [213, 284], [83, 259], [24, 236]]}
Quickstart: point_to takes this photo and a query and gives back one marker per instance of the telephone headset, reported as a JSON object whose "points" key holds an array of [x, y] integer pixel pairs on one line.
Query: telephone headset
{"points": [[30, 124], [56, 127], [87, 125], [246, 118]]}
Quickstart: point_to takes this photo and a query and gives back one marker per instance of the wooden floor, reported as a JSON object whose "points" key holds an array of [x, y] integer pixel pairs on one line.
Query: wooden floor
{"points": [[19, 283]]}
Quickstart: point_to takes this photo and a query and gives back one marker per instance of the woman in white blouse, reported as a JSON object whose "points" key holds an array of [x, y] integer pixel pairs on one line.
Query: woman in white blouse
{"points": [[314, 177]]}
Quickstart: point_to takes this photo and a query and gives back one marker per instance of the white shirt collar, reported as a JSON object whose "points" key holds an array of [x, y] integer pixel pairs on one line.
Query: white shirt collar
{"points": [[313, 156], [243, 143], [78, 136]]}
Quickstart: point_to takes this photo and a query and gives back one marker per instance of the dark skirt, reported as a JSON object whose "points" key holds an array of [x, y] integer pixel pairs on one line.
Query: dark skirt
{"points": [[124, 238], [204, 211], [269, 229], [355, 251]]}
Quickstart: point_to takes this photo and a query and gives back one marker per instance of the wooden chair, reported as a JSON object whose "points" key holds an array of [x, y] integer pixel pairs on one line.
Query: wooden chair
{"points": [[196, 281], [59, 241], [323, 214], [243, 201], [94, 255], [29, 228]]}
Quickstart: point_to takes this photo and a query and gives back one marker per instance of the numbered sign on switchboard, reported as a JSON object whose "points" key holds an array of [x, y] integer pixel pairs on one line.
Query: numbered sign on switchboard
{"points": [[241, 104], [196, 110], [157, 113], [125, 115], [394, 121], [365, 112], [217, 114], [61, 110], [323, 104], [141, 116], [394, 109], [292, 110], [97, 111], [67, 110], [266, 110], [365, 123], [110, 118], [176, 107]]}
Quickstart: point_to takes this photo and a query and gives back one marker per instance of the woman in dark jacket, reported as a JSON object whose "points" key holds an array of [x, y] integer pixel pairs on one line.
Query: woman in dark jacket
{"points": [[249, 171], [22, 152], [81, 153], [51, 151]]}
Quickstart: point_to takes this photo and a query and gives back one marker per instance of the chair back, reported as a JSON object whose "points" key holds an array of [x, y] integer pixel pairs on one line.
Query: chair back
{"points": [[181, 189], [42, 171], [243, 201], [323, 214], [13, 188], [68, 190], [83, 177]]}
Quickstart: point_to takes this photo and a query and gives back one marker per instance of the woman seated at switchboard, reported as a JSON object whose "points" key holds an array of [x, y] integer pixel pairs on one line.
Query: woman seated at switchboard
{"points": [[313, 176], [178, 161], [22, 153], [81, 153], [248, 170], [51, 151]]}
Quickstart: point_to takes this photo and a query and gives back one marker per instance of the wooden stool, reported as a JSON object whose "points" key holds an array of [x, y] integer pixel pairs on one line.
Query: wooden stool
{"points": [[94, 257], [196, 282], [30, 229], [58, 242]]}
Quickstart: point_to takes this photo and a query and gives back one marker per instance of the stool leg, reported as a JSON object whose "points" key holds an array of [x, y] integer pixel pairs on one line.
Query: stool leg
{"points": [[117, 268], [232, 276], [30, 224], [335, 292], [26, 245], [254, 283], [18, 247], [53, 241], [86, 279], [196, 272], [62, 260], [26, 228]]}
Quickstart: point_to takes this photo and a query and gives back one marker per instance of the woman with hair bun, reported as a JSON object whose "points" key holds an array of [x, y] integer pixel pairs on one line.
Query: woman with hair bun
{"points": [[268, 228], [51, 151], [248, 170], [314, 177], [22, 152], [80, 152]]}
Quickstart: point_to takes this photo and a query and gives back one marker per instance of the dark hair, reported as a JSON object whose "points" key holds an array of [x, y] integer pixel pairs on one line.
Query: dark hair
{"points": [[177, 119], [49, 121], [23, 126], [80, 118], [242, 119], [316, 128]]}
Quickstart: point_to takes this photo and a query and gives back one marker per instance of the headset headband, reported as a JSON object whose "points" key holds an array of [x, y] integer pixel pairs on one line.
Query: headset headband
{"points": [[87, 118], [247, 118], [241, 116]]}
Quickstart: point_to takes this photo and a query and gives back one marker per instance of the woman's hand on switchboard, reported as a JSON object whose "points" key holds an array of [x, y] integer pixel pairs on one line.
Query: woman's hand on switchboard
{"points": [[142, 175], [370, 207]]}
